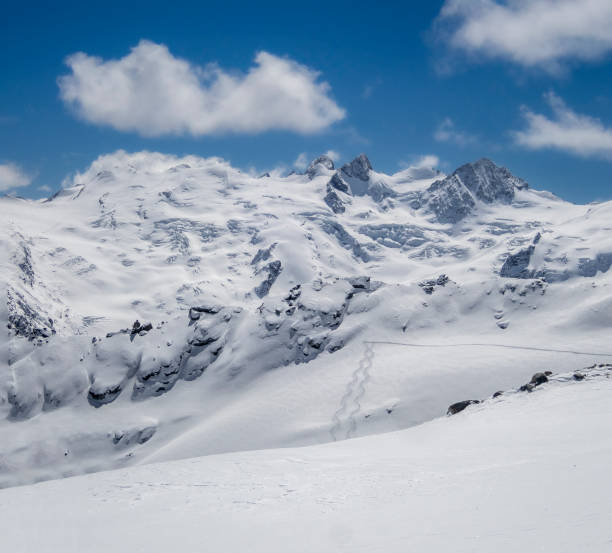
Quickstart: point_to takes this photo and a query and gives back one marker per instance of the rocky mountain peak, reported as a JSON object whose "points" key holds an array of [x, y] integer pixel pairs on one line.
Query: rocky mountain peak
{"points": [[359, 168], [323, 161], [455, 196]]}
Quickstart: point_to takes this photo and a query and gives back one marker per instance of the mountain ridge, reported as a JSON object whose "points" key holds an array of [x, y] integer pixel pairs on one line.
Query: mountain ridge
{"points": [[257, 290]]}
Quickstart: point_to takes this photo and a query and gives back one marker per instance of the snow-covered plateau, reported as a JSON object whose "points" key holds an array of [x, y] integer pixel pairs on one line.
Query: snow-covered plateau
{"points": [[161, 310]]}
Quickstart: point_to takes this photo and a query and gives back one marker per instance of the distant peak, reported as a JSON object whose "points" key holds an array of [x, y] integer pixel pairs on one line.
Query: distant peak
{"points": [[488, 171], [325, 161], [454, 197], [359, 168]]}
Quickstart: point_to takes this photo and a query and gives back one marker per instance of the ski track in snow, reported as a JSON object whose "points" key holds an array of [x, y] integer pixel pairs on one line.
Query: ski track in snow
{"points": [[530, 348], [356, 388], [353, 394]]}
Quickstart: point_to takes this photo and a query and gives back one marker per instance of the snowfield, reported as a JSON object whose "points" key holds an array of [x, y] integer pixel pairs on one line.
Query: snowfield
{"points": [[522, 472], [162, 308]]}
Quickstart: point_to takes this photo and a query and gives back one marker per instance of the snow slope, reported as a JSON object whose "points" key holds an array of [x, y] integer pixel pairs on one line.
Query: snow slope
{"points": [[523, 472], [284, 310]]}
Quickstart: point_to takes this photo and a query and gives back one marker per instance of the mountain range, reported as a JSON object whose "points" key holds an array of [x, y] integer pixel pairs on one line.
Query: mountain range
{"points": [[161, 308]]}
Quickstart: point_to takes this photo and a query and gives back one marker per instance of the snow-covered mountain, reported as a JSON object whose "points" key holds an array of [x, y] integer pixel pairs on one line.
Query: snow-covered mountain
{"points": [[161, 308]]}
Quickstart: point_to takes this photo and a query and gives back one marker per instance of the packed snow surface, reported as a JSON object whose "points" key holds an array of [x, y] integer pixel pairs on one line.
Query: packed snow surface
{"points": [[162, 308], [522, 472]]}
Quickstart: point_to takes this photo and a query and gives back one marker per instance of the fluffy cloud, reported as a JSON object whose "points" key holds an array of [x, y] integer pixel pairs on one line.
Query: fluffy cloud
{"points": [[447, 132], [532, 33], [154, 93], [566, 130], [12, 176]]}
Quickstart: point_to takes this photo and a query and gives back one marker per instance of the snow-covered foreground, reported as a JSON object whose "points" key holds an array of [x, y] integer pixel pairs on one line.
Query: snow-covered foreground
{"points": [[523, 472]]}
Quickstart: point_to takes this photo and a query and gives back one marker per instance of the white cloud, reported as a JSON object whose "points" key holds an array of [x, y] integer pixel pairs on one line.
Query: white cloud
{"points": [[447, 132], [12, 176], [428, 161], [333, 155], [301, 162], [531, 33], [44, 188], [154, 93], [567, 131]]}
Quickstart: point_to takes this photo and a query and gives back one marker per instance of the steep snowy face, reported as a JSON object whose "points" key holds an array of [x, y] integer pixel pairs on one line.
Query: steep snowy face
{"points": [[454, 197], [356, 179], [165, 306]]}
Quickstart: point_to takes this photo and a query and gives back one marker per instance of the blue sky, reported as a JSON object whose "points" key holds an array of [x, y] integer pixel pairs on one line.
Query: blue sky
{"points": [[524, 82]]}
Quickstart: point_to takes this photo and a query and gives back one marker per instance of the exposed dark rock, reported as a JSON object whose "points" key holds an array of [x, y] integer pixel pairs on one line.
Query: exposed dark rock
{"points": [[333, 201], [590, 267], [263, 254], [449, 200], [274, 269], [460, 406], [25, 264], [359, 168], [498, 393], [361, 283], [294, 294], [516, 265], [99, 396], [453, 198], [536, 380], [27, 319], [429, 286], [578, 376], [137, 328], [339, 183], [539, 378]]}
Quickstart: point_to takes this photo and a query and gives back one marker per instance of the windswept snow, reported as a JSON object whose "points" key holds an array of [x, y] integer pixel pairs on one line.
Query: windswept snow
{"points": [[283, 311]]}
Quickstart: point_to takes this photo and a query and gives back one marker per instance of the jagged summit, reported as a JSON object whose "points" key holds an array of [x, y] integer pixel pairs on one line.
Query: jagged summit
{"points": [[356, 178], [317, 164], [454, 197], [359, 168]]}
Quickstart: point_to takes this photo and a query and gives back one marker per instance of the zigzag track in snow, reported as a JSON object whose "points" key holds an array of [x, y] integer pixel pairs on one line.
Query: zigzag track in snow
{"points": [[355, 389]]}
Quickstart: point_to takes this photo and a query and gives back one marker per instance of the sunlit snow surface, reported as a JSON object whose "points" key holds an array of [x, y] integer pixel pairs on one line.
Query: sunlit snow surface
{"points": [[277, 321], [525, 472]]}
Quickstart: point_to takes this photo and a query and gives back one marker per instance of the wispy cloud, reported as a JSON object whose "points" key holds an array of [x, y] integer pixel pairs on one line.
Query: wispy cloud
{"points": [[333, 155], [420, 167], [428, 161], [369, 88], [447, 132], [151, 92], [531, 33], [566, 130], [12, 176], [301, 161]]}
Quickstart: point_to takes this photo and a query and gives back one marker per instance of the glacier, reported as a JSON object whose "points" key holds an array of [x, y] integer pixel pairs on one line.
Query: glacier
{"points": [[160, 308]]}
